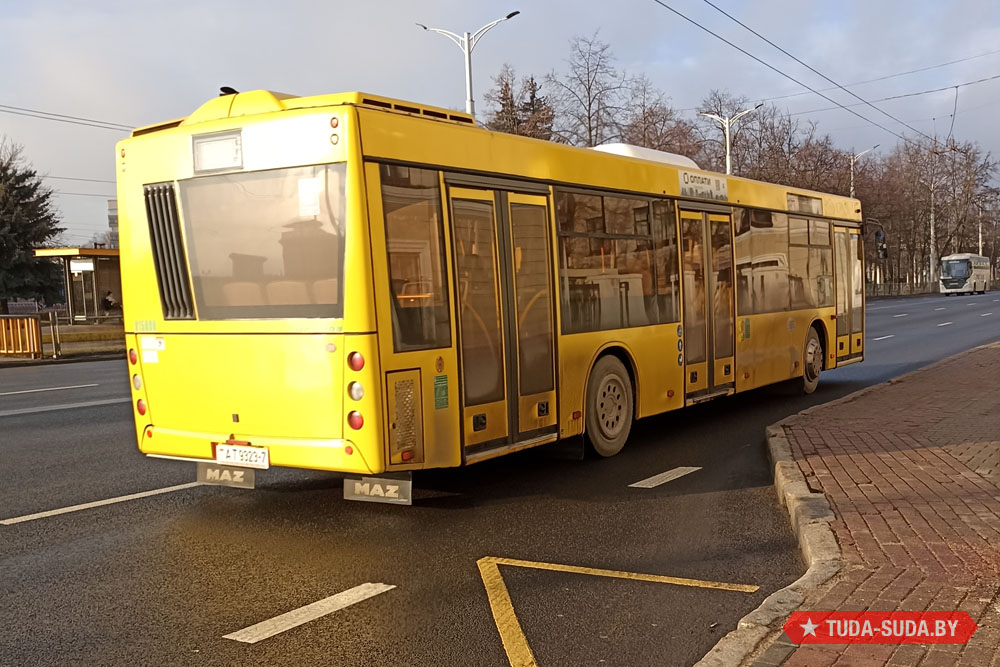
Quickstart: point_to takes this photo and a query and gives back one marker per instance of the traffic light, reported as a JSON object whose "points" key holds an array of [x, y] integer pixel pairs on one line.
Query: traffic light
{"points": [[880, 248]]}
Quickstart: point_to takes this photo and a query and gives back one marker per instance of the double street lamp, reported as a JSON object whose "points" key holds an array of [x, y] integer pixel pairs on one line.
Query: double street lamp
{"points": [[727, 123], [467, 42], [854, 158]]}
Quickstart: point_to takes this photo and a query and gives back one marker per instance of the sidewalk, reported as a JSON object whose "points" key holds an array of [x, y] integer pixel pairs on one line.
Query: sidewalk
{"points": [[911, 472]]}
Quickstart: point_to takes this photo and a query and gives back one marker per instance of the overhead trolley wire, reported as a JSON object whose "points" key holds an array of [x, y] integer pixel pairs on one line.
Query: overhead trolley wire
{"points": [[787, 76], [812, 69], [64, 118]]}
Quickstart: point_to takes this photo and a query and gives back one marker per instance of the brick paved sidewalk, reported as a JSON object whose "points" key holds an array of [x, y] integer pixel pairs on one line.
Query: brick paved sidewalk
{"points": [[911, 470]]}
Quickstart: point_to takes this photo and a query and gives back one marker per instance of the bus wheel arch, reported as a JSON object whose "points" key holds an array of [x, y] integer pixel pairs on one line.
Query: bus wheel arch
{"points": [[609, 402], [813, 356]]}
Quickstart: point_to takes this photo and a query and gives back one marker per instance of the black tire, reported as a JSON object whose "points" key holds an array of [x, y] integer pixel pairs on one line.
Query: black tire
{"points": [[812, 362], [609, 406]]}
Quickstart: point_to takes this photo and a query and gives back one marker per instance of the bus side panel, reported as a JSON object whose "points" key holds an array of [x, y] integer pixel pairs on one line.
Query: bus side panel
{"points": [[659, 379]]}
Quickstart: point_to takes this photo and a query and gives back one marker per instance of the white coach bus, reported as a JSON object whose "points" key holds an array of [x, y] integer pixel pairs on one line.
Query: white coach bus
{"points": [[964, 273]]}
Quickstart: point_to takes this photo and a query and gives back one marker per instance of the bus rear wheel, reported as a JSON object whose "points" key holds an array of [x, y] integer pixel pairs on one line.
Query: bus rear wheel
{"points": [[812, 357], [609, 406]]}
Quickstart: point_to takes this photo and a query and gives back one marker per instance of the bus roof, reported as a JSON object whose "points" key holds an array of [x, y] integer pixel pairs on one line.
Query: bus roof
{"points": [[265, 101], [964, 255]]}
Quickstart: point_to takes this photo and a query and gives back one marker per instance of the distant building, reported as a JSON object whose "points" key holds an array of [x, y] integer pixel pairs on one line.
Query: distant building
{"points": [[112, 223]]}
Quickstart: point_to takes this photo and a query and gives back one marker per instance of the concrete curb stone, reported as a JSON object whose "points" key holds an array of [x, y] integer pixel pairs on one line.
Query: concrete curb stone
{"points": [[810, 516]]}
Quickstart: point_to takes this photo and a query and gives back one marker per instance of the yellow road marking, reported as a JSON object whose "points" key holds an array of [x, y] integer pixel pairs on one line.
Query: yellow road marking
{"points": [[635, 576], [514, 642]]}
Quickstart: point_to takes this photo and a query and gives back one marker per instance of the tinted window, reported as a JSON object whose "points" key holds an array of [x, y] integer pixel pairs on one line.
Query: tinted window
{"points": [[411, 204], [267, 244]]}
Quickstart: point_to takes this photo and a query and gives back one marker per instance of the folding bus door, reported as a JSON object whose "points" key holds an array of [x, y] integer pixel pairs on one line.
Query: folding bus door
{"points": [[849, 258], [709, 322], [503, 269]]}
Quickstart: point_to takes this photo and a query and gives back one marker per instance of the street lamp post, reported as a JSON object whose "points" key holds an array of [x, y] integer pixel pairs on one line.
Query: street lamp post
{"points": [[854, 158], [727, 123], [467, 42]]}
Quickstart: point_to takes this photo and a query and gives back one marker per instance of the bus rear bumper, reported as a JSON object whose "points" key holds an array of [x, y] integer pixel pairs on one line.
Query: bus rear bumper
{"points": [[334, 454]]}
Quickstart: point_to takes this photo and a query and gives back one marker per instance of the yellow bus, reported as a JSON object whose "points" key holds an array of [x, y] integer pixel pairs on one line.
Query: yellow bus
{"points": [[358, 284]]}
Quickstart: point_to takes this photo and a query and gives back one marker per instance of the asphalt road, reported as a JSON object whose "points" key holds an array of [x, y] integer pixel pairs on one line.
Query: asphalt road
{"points": [[161, 580]]}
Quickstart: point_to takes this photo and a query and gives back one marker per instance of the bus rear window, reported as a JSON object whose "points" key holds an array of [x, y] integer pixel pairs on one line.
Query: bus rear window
{"points": [[267, 244]]}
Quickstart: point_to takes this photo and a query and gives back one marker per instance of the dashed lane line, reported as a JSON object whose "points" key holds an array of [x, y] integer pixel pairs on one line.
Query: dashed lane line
{"points": [[901, 315], [664, 477], [985, 314], [939, 309], [944, 324], [96, 503], [64, 406], [884, 337], [35, 391], [514, 642], [310, 612]]}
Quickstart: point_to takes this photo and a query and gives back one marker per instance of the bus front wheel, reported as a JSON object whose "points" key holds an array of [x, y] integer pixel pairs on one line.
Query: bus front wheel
{"points": [[609, 406], [812, 361]]}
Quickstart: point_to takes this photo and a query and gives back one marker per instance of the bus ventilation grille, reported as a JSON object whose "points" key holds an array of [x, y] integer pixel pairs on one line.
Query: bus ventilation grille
{"points": [[168, 252], [405, 431]]}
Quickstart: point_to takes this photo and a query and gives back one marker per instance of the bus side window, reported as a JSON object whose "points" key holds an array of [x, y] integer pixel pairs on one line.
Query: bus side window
{"points": [[744, 262], [411, 202]]}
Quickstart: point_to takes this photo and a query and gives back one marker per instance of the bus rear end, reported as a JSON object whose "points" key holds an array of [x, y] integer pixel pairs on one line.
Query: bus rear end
{"points": [[247, 287]]}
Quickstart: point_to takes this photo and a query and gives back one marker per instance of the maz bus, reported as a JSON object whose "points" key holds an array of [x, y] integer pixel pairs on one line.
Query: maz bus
{"points": [[353, 283], [964, 273]]}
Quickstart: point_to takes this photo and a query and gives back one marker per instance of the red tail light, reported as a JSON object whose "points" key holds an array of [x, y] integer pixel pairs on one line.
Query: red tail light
{"points": [[140, 406], [355, 420], [355, 361], [133, 357]]}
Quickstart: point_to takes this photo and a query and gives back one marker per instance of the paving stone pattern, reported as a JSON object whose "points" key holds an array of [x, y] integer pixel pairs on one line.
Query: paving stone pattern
{"points": [[911, 471]]}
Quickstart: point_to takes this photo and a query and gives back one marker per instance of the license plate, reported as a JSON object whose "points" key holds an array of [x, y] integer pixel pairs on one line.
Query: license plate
{"points": [[239, 455]]}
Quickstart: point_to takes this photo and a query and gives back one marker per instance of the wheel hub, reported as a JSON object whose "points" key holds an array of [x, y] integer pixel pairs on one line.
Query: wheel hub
{"points": [[611, 407]]}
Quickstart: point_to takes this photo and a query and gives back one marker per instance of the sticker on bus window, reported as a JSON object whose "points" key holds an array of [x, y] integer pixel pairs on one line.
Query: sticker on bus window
{"points": [[440, 392], [309, 191]]}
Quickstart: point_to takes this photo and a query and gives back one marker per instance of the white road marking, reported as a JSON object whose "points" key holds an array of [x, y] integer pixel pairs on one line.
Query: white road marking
{"points": [[985, 314], [944, 324], [97, 503], [901, 315], [32, 391], [310, 612], [939, 309], [884, 337], [972, 303], [663, 477], [64, 406]]}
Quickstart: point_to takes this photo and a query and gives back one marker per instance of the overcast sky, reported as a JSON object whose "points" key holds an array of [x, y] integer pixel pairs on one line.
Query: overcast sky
{"points": [[137, 61]]}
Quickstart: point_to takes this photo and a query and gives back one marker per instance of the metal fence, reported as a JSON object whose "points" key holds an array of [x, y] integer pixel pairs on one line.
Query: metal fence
{"points": [[22, 334]]}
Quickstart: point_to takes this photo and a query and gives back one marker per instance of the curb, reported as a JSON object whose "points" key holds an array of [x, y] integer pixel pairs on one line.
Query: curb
{"points": [[810, 516], [98, 356]]}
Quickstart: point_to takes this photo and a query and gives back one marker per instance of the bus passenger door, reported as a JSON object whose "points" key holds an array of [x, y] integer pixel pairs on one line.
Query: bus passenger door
{"points": [[850, 294], [503, 269], [709, 318]]}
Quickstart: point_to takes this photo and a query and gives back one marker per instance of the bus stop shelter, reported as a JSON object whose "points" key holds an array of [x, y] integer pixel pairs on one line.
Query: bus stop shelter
{"points": [[91, 275]]}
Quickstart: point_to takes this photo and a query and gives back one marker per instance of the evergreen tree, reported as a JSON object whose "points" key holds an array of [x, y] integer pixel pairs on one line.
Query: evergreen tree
{"points": [[537, 115], [27, 221]]}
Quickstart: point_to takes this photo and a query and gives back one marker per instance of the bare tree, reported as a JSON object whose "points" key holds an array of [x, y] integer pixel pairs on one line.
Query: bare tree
{"points": [[589, 98], [650, 121]]}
